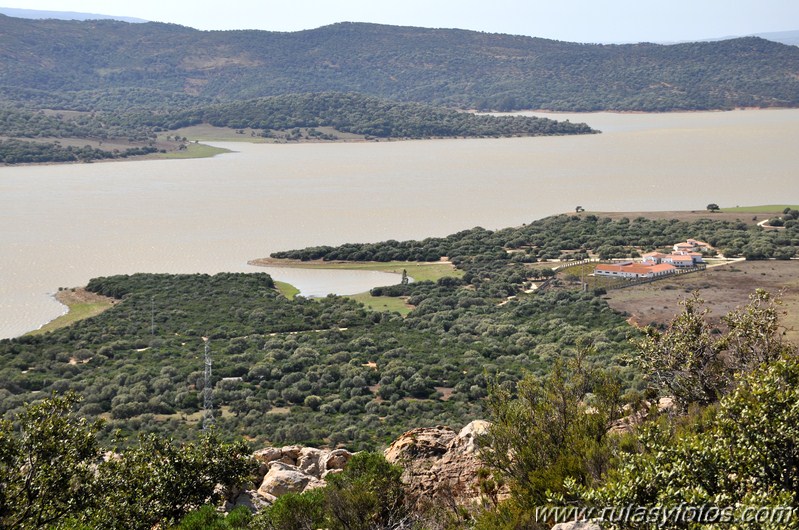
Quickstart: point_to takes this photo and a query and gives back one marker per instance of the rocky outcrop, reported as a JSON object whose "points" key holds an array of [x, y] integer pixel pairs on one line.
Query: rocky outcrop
{"points": [[283, 478], [439, 464], [290, 469]]}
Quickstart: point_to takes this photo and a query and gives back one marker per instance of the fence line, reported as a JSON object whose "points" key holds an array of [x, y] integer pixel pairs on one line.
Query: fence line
{"points": [[626, 282], [575, 263], [641, 281]]}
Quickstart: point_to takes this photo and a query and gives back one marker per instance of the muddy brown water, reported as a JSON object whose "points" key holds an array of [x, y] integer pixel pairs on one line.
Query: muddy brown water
{"points": [[61, 225]]}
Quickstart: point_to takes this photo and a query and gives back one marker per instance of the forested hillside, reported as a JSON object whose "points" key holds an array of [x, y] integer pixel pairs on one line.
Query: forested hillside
{"points": [[365, 115], [77, 62], [285, 118], [330, 371]]}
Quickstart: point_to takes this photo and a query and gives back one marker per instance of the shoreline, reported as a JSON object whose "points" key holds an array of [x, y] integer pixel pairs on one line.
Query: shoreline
{"points": [[623, 112], [417, 270], [203, 136], [82, 304], [206, 151], [79, 304]]}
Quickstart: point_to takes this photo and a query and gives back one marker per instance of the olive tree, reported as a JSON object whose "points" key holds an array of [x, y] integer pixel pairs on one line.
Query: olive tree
{"points": [[47, 459], [696, 363], [54, 473]]}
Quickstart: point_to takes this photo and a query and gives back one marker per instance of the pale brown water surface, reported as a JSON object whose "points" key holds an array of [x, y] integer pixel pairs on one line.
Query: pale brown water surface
{"points": [[61, 225]]}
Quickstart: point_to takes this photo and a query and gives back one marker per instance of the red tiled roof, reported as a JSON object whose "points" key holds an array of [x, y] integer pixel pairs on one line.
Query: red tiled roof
{"points": [[634, 268], [663, 267]]}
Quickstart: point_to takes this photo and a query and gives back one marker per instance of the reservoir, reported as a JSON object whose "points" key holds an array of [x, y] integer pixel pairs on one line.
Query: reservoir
{"points": [[61, 225]]}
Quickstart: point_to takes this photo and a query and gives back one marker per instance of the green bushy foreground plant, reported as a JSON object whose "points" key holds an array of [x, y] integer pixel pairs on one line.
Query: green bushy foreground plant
{"points": [[731, 442], [743, 453], [55, 474]]}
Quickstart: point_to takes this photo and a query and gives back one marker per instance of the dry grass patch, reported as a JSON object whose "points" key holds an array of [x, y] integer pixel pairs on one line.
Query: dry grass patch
{"points": [[723, 288]]}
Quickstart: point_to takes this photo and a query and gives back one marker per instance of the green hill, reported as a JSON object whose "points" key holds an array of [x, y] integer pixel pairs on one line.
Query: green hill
{"points": [[69, 64]]}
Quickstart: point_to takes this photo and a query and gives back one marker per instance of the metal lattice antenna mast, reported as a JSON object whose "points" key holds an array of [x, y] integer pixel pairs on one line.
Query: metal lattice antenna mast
{"points": [[208, 403]]}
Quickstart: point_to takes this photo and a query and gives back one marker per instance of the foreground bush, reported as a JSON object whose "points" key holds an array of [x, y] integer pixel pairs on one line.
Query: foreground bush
{"points": [[52, 473]]}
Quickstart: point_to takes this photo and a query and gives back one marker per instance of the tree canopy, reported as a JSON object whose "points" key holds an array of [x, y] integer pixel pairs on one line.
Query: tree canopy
{"points": [[101, 63]]}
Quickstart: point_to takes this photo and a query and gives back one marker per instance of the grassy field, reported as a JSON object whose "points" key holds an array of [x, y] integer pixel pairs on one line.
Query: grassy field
{"points": [[383, 303], [768, 208], [419, 271], [576, 274], [209, 133], [194, 151], [286, 289], [81, 304], [723, 288]]}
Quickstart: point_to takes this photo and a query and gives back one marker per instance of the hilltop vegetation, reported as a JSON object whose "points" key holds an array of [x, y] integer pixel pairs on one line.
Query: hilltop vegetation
{"points": [[287, 118], [350, 113], [319, 372], [111, 81], [569, 237], [364, 115], [95, 62]]}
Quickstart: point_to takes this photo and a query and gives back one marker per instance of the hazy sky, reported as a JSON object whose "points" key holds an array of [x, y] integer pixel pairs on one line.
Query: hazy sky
{"points": [[569, 20]]}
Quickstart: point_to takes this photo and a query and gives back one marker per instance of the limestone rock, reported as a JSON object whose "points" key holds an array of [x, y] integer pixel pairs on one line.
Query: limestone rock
{"points": [[467, 438], [329, 472], [310, 461], [314, 483], [291, 452], [289, 469], [283, 478], [420, 443], [337, 459], [251, 500], [267, 455], [440, 465]]}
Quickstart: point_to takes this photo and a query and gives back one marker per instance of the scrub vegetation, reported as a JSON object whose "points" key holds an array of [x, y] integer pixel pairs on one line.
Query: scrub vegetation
{"points": [[333, 372]]}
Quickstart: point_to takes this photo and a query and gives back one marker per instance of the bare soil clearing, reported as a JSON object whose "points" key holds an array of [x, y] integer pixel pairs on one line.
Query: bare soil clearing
{"points": [[723, 288]]}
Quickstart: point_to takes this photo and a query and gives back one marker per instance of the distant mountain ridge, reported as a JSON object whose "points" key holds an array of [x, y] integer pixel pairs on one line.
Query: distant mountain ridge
{"points": [[63, 15], [458, 68], [785, 37]]}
